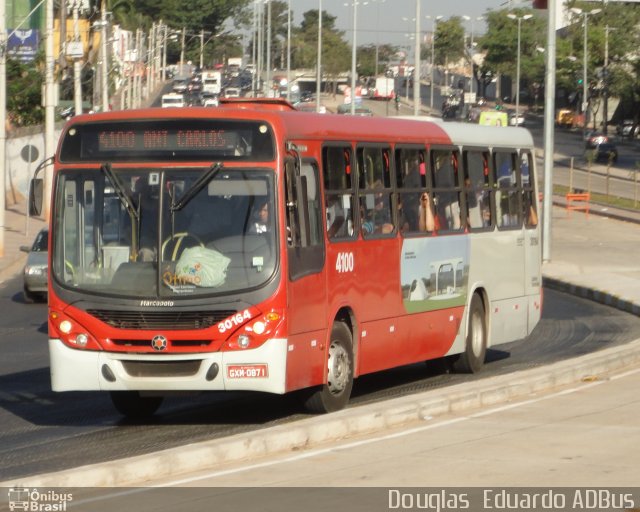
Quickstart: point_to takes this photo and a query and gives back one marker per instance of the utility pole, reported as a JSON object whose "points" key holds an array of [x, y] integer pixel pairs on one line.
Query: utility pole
{"points": [[105, 58], [269, 84], [319, 61], [77, 62], [416, 66], [3, 117], [201, 49], [49, 108], [605, 80], [182, 52]]}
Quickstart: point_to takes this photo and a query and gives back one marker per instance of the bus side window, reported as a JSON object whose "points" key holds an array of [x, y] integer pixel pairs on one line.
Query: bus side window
{"points": [[339, 193], [529, 203], [508, 210], [375, 192], [446, 189], [411, 172], [477, 188]]}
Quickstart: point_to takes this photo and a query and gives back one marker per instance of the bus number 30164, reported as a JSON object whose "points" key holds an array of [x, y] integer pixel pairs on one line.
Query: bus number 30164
{"points": [[344, 262]]}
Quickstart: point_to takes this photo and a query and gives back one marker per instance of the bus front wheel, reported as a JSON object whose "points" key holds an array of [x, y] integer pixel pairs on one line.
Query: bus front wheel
{"points": [[334, 395], [472, 359], [134, 406]]}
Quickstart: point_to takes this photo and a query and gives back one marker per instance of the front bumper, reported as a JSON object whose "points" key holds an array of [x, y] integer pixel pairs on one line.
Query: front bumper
{"points": [[87, 370]]}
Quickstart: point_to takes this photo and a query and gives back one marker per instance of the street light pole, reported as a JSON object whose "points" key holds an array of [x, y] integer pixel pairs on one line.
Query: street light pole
{"points": [[416, 66], [268, 43], [519, 19], [471, 45], [433, 55], [105, 68], [77, 65], [289, 50], [585, 51], [406, 67], [319, 58], [605, 80], [353, 59]]}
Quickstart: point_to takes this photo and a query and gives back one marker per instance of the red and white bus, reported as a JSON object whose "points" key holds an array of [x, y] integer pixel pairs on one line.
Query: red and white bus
{"points": [[272, 250]]}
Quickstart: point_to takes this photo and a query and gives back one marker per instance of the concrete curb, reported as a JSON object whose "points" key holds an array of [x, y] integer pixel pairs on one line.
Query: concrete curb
{"points": [[600, 296], [356, 421]]}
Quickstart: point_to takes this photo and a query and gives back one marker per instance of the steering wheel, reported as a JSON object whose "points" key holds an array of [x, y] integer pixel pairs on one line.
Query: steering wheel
{"points": [[177, 240]]}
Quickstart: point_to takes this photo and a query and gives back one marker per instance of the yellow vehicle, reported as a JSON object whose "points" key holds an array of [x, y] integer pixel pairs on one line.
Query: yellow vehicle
{"points": [[565, 117], [493, 118]]}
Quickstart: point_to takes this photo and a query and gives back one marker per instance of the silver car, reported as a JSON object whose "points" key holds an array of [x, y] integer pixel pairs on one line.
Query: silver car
{"points": [[35, 271]]}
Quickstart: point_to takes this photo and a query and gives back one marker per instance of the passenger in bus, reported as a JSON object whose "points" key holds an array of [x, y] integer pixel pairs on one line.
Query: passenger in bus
{"points": [[408, 202], [336, 218], [403, 220], [426, 217], [446, 204], [260, 221], [378, 219]]}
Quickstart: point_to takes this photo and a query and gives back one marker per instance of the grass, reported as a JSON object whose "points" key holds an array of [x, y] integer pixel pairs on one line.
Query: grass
{"points": [[603, 199]]}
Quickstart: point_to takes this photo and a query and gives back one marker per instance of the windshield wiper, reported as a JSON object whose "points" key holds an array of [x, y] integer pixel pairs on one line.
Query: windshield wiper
{"points": [[196, 187], [121, 192]]}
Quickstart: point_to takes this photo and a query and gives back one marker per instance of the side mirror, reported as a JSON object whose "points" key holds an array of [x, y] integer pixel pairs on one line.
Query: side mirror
{"points": [[25, 248], [36, 192]]}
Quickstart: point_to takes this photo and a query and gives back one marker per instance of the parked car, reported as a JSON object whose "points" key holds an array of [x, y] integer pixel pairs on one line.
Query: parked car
{"points": [[35, 270], [604, 152], [628, 128]]}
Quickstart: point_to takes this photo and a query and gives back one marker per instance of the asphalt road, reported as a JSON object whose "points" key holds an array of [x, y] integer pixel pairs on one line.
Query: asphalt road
{"points": [[45, 431]]}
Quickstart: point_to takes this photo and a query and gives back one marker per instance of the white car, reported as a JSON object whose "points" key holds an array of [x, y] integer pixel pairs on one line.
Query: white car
{"points": [[232, 92], [513, 121]]}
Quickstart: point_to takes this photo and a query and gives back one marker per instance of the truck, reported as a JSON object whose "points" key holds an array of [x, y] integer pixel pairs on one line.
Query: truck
{"points": [[384, 88], [234, 65], [211, 82]]}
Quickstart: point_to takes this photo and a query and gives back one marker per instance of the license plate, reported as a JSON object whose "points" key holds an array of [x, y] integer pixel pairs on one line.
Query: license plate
{"points": [[247, 371]]}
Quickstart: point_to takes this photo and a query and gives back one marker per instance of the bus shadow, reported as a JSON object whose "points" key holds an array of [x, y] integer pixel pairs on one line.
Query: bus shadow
{"points": [[417, 378], [28, 395]]}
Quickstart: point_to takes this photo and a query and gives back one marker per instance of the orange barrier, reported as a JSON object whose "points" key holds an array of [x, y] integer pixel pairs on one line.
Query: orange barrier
{"points": [[578, 201]]}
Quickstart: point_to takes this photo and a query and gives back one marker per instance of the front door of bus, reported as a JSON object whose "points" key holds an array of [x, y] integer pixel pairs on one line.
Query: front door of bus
{"points": [[306, 290]]}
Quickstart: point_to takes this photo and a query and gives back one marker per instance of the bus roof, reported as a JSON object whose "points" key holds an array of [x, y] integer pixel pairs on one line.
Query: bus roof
{"points": [[299, 125]]}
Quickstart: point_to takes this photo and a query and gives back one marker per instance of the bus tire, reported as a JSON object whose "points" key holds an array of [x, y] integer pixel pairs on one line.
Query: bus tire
{"points": [[472, 359], [334, 395], [134, 406]]}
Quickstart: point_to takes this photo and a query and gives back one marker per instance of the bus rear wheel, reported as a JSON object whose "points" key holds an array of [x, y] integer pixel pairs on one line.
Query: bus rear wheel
{"points": [[334, 395], [472, 359], [135, 406]]}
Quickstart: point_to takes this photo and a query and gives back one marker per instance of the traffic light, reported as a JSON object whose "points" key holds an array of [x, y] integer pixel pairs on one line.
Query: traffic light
{"points": [[580, 81], [539, 4]]}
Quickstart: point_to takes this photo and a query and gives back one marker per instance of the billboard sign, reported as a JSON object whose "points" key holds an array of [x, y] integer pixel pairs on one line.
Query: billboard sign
{"points": [[23, 44]]}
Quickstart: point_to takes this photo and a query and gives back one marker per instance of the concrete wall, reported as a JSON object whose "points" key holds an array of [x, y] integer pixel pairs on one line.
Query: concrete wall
{"points": [[18, 172]]}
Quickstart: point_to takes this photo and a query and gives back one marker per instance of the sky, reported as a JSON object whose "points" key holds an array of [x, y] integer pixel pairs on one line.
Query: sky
{"points": [[381, 21]]}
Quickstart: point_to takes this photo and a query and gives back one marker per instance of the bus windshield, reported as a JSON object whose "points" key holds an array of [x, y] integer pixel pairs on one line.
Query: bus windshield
{"points": [[152, 232]]}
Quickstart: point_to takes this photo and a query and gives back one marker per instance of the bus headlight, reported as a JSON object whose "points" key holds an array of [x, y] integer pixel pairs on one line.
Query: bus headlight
{"points": [[70, 332], [82, 340]]}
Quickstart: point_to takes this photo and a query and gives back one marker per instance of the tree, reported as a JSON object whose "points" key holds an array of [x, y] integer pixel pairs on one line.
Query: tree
{"points": [[615, 27], [449, 42], [501, 46], [24, 104]]}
